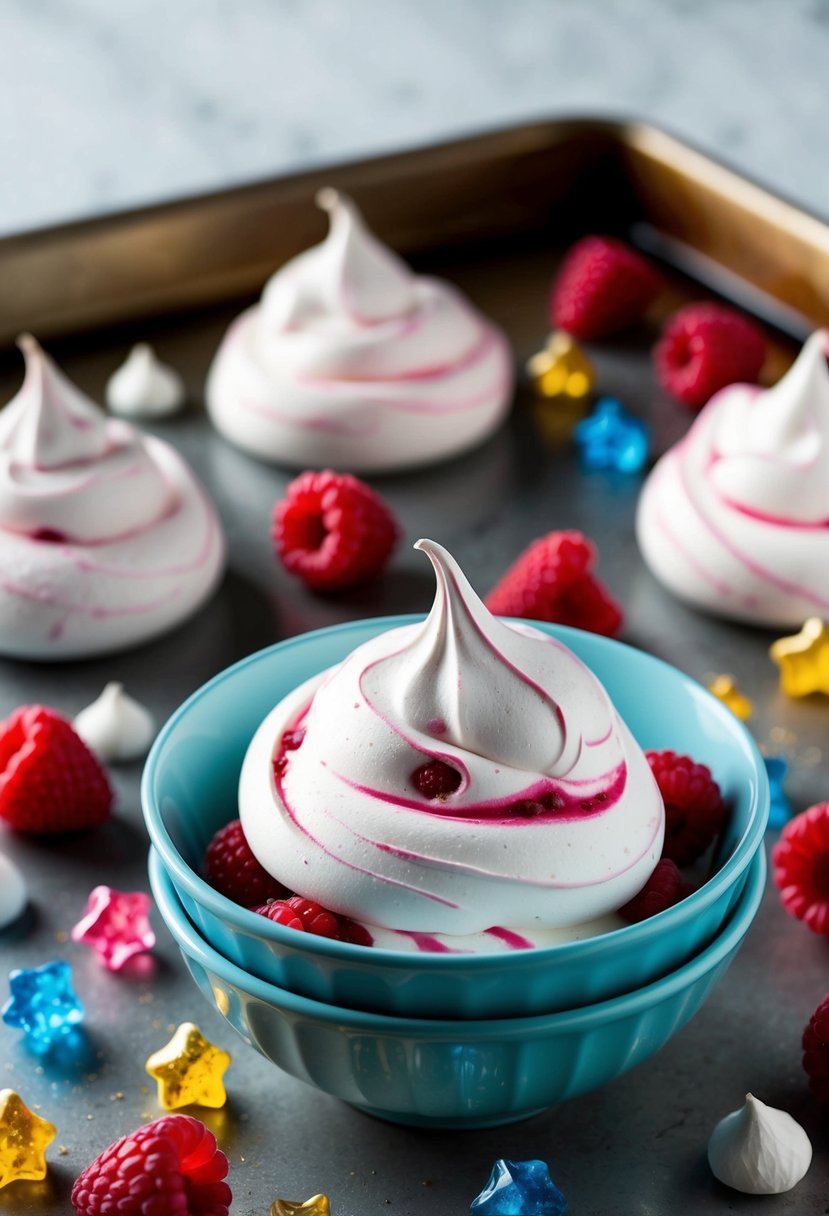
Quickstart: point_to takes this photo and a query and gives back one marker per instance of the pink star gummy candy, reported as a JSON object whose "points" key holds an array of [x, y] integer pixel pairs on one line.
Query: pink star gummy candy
{"points": [[115, 924]]}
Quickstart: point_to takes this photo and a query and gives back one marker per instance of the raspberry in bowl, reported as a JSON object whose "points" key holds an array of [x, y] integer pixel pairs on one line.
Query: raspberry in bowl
{"points": [[191, 789]]}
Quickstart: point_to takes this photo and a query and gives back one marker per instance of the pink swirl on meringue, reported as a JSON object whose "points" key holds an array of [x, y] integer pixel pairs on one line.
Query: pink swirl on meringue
{"points": [[352, 361], [106, 538], [542, 832], [735, 518]]}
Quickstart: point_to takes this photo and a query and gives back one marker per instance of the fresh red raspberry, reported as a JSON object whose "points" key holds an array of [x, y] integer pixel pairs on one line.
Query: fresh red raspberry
{"points": [[315, 919], [602, 287], [281, 913], [332, 531], [703, 348], [663, 889], [231, 869], [816, 1051], [694, 809], [351, 931], [552, 580], [307, 915], [801, 867], [436, 779], [49, 779], [170, 1167]]}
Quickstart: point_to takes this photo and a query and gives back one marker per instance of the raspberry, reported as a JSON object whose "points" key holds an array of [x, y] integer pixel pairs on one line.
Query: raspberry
{"points": [[801, 867], [436, 779], [663, 889], [332, 531], [281, 913], [231, 869], [694, 809], [49, 779], [170, 1167], [816, 1051], [703, 348], [351, 931], [552, 580], [308, 915], [601, 287], [315, 918]]}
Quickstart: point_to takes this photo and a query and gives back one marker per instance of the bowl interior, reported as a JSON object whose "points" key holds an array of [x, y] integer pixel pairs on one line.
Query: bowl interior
{"points": [[191, 777]]}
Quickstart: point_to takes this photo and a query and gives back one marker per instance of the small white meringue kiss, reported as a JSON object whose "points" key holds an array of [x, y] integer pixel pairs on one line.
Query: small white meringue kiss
{"points": [[115, 726], [12, 892], [759, 1150], [144, 387]]}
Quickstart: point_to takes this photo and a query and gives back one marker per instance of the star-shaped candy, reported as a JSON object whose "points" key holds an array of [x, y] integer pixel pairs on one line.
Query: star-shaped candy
{"points": [[804, 659], [116, 925], [561, 369], [317, 1205], [725, 690], [189, 1070], [24, 1138], [780, 809], [611, 438], [519, 1188], [42, 1004]]}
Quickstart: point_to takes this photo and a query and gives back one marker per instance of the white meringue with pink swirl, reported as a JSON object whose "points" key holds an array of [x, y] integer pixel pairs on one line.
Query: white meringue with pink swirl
{"points": [[735, 518], [555, 820], [351, 361], [106, 537]]}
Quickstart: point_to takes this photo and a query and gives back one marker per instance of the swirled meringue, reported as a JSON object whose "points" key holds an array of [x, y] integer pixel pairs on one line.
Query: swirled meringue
{"points": [[106, 537], [759, 1150], [144, 387], [116, 726], [351, 361], [556, 820], [735, 518]]}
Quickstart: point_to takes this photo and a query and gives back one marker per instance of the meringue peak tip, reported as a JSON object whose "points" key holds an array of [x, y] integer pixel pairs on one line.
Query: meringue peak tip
{"points": [[430, 547], [328, 199], [28, 345]]}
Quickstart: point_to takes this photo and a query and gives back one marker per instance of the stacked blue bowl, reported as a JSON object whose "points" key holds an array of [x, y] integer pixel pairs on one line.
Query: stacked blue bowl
{"points": [[579, 1013]]}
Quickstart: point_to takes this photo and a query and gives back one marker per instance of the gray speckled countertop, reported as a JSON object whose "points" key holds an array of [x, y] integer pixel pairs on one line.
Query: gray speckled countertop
{"points": [[107, 105]]}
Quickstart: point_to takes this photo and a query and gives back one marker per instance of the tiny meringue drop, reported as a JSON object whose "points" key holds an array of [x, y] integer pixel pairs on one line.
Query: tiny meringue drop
{"points": [[144, 387], [759, 1150], [116, 727], [12, 892]]}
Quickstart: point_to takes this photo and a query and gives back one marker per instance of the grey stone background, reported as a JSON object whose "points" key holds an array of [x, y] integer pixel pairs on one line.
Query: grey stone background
{"points": [[109, 104]]}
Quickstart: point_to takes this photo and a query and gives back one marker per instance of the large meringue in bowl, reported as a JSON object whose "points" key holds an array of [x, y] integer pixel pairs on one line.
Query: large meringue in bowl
{"points": [[351, 361], [106, 536], [554, 820], [735, 518]]}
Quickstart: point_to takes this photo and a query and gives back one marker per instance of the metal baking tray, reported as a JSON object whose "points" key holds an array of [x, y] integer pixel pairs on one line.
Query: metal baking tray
{"points": [[493, 213]]}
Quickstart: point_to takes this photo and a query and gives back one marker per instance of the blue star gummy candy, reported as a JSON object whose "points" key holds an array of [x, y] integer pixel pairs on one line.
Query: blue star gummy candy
{"points": [[519, 1188], [42, 1004], [611, 438], [780, 809]]}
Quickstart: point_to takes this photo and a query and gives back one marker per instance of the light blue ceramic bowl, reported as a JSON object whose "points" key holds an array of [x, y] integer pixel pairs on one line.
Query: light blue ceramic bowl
{"points": [[190, 790], [449, 1073]]}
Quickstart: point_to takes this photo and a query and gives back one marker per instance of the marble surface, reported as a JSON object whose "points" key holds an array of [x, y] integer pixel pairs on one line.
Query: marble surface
{"points": [[108, 106]]}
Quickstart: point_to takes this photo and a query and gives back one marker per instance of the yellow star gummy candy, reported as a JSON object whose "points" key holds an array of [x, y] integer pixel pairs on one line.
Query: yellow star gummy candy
{"points": [[189, 1070], [317, 1205], [803, 659], [24, 1138], [561, 369], [725, 690]]}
